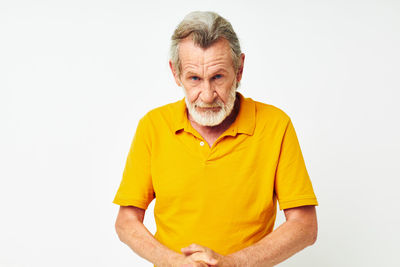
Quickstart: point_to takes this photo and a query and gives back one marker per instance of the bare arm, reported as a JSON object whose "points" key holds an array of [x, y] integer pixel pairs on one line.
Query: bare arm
{"points": [[299, 231], [132, 232]]}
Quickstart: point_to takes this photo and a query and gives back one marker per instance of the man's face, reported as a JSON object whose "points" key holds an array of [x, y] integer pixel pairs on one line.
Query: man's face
{"points": [[209, 81]]}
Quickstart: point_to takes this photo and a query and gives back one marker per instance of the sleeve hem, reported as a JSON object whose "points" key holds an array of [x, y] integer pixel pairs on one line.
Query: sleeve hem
{"points": [[298, 203], [131, 202]]}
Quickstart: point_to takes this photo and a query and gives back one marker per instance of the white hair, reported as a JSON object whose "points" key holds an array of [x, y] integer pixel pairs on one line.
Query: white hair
{"points": [[205, 28]]}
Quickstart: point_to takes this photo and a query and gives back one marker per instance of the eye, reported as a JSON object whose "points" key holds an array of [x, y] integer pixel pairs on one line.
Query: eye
{"points": [[194, 78], [218, 76]]}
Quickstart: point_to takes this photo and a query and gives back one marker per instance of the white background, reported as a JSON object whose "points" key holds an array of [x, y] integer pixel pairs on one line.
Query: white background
{"points": [[76, 76]]}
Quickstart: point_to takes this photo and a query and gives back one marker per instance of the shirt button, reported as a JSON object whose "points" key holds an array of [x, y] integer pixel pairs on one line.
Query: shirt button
{"points": [[202, 143]]}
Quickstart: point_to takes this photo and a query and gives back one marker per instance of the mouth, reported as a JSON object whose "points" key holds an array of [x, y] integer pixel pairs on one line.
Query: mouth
{"points": [[208, 109]]}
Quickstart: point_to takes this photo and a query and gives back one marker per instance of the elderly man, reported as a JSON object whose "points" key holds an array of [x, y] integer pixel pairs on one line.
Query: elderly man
{"points": [[217, 163]]}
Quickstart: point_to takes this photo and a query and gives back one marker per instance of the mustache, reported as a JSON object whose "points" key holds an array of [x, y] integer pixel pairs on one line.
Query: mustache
{"points": [[216, 104]]}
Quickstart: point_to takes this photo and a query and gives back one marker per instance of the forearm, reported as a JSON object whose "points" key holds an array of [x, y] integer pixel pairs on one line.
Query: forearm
{"points": [[288, 239], [143, 243]]}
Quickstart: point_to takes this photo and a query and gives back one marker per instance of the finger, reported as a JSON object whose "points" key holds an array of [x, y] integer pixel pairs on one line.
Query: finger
{"points": [[202, 256], [195, 264], [193, 248], [201, 264], [188, 252]]}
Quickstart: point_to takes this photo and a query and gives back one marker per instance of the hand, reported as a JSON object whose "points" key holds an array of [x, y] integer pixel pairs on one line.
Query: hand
{"points": [[200, 252], [194, 260]]}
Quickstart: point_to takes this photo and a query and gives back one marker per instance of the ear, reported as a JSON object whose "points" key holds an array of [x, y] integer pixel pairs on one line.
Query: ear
{"points": [[177, 80], [240, 71]]}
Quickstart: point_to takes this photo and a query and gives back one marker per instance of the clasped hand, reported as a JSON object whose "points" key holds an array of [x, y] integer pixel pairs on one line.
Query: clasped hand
{"points": [[199, 256]]}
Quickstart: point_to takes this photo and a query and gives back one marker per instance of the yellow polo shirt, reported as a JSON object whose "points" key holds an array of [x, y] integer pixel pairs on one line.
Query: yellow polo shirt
{"points": [[223, 197]]}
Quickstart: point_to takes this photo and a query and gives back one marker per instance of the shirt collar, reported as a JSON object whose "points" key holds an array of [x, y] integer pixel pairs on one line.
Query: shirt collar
{"points": [[180, 114], [244, 123]]}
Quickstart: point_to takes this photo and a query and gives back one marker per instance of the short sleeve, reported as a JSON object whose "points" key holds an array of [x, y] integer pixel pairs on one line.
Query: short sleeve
{"points": [[136, 188], [293, 186]]}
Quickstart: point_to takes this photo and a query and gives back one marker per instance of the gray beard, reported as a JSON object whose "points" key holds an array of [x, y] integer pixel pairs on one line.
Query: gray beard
{"points": [[211, 118]]}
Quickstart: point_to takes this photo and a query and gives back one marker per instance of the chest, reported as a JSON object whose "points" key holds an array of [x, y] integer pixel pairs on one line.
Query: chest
{"points": [[183, 169]]}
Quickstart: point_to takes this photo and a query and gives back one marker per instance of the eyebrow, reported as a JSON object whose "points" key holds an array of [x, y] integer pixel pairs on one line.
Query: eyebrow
{"points": [[220, 70], [191, 73]]}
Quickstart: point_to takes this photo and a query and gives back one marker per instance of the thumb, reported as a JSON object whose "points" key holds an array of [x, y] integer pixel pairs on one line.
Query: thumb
{"points": [[212, 262], [204, 258], [187, 251]]}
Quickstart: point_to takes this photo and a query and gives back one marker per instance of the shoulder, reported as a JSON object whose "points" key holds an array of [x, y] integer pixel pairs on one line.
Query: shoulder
{"points": [[271, 123], [264, 108], [163, 116], [269, 114]]}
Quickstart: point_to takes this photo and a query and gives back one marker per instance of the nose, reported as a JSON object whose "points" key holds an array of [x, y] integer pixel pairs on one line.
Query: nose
{"points": [[208, 94]]}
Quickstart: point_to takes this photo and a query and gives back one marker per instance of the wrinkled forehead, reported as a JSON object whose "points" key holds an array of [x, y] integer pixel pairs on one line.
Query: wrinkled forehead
{"points": [[218, 55]]}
